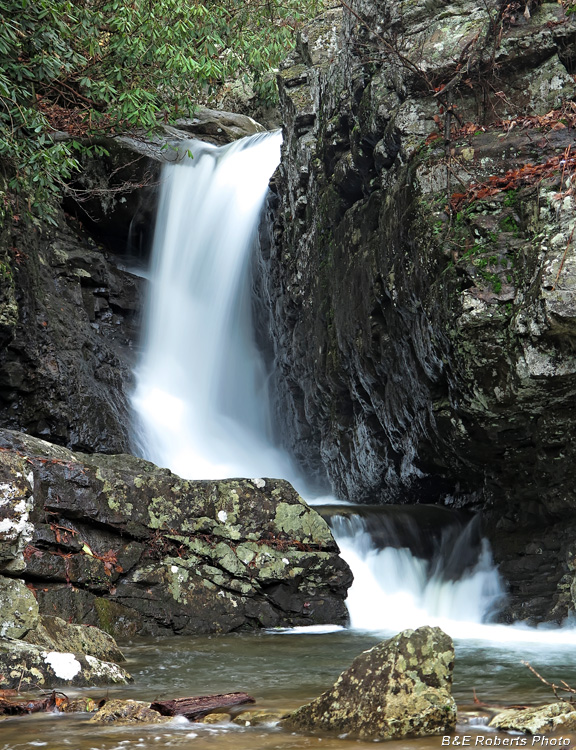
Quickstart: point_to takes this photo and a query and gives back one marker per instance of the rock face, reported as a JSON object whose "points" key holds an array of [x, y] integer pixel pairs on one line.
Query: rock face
{"points": [[68, 323], [421, 276], [116, 542], [399, 688]]}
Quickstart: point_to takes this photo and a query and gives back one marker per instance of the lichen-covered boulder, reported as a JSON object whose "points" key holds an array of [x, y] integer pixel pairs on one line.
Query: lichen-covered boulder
{"points": [[23, 666], [553, 717], [399, 688], [118, 543]]}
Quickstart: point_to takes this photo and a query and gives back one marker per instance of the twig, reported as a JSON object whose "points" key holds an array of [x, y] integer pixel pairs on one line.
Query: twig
{"points": [[555, 688]]}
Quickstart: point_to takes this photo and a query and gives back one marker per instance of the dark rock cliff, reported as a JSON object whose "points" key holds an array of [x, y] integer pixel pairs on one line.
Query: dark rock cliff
{"points": [[68, 326], [421, 274]]}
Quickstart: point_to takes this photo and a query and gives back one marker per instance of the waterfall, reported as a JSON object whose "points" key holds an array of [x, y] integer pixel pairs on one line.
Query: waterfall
{"points": [[201, 394], [201, 399]]}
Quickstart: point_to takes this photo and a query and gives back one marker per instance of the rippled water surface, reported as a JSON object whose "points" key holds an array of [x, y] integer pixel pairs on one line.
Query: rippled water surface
{"points": [[281, 671]]}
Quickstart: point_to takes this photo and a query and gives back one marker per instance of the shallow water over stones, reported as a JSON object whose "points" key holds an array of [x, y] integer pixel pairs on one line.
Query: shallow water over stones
{"points": [[282, 671]]}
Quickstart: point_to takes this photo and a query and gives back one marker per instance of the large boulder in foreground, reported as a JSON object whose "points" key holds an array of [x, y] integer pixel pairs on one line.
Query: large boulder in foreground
{"points": [[399, 688], [42, 651], [118, 543]]}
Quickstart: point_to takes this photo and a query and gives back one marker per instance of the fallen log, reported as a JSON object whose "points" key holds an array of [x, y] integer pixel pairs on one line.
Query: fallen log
{"points": [[200, 706], [54, 701]]}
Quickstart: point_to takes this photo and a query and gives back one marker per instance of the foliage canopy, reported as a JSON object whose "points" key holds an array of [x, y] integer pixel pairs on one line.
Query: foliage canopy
{"points": [[89, 66]]}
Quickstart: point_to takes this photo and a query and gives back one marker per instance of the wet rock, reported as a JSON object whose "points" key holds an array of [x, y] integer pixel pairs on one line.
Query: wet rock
{"points": [[79, 705], [24, 666], [66, 367], [538, 720], [424, 348], [218, 127], [127, 712], [218, 718], [118, 543], [54, 634], [257, 718], [399, 688]]}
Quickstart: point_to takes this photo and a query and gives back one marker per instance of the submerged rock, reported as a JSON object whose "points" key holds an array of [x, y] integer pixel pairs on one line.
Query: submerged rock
{"points": [[538, 720], [257, 718], [399, 688], [119, 543]]}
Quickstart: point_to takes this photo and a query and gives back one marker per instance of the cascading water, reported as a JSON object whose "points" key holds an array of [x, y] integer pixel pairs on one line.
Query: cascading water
{"points": [[201, 385], [412, 577], [201, 400]]}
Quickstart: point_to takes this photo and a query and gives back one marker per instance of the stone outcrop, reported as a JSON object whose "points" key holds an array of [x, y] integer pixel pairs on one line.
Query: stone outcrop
{"points": [[555, 717], [421, 277], [44, 651], [118, 543], [399, 688], [116, 193]]}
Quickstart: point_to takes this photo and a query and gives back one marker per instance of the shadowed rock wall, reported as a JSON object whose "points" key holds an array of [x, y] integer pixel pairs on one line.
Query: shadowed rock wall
{"points": [[421, 275]]}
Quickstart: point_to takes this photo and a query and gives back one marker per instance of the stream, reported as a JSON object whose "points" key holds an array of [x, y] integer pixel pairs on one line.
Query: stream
{"points": [[282, 671]]}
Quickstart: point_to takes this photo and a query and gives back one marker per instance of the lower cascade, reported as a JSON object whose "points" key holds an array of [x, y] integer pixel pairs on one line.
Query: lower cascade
{"points": [[201, 399], [408, 574]]}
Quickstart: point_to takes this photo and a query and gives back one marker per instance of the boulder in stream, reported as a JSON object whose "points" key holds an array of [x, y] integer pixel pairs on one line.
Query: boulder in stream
{"points": [[560, 716], [25, 666], [399, 688]]}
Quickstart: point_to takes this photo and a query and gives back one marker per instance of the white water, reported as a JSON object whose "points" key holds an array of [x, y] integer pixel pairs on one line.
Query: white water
{"points": [[201, 385], [201, 397]]}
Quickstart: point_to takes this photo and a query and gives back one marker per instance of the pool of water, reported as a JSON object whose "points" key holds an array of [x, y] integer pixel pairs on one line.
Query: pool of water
{"points": [[282, 671]]}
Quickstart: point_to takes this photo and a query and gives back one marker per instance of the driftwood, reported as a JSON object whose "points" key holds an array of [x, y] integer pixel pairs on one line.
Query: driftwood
{"points": [[198, 707], [19, 708]]}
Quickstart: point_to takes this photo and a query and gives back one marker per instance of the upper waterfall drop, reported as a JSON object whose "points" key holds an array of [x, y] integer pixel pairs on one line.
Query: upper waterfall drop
{"points": [[200, 397]]}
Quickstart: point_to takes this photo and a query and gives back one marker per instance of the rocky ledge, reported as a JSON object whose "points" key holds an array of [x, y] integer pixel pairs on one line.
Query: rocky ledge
{"points": [[119, 543]]}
